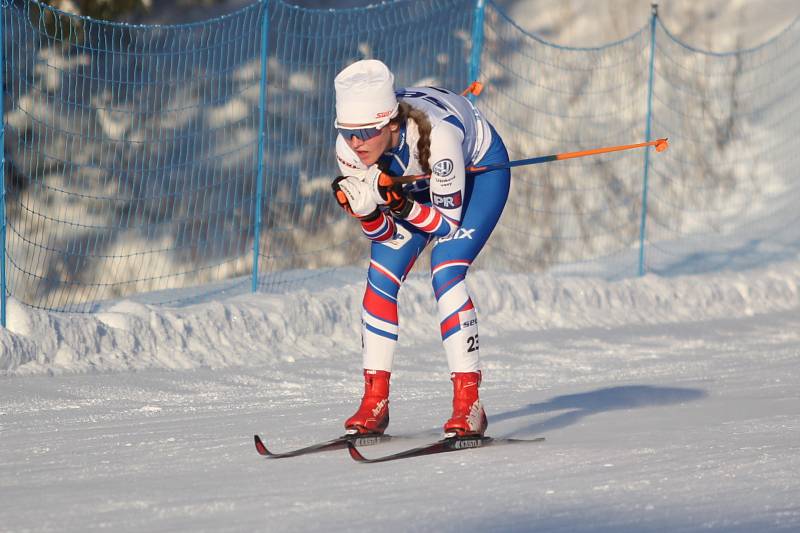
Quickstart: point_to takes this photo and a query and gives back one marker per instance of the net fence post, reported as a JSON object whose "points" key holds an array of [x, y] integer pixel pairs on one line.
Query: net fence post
{"points": [[262, 110], [477, 44], [3, 5], [648, 125]]}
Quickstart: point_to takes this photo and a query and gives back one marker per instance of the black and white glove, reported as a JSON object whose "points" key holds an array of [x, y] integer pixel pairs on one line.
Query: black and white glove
{"points": [[356, 197]]}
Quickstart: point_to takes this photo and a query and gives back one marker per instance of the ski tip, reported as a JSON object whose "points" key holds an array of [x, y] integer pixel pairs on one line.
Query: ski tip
{"points": [[354, 453], [260, 448]]}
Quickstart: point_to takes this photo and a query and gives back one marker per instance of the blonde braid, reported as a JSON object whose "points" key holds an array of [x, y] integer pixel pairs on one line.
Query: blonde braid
{"points": [[406, 112]]}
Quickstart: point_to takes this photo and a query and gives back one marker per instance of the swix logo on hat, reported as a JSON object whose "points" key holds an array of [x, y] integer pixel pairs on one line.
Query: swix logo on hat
{"points": [[443, 167], [447, 201]]}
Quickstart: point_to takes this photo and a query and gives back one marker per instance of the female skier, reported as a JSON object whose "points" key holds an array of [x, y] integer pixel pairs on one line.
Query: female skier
{"points": [[418, 130]]}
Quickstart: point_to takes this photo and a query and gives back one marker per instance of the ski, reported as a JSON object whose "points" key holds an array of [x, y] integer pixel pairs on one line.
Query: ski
{"points": [[447, 444], [334, 444]]}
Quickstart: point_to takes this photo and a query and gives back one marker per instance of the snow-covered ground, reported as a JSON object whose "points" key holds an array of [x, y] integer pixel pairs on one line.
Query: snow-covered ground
{"points": [[668, 404]]}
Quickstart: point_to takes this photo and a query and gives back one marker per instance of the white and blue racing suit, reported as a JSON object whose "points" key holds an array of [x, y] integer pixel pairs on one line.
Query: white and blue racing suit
{"points": [[455, 209]]}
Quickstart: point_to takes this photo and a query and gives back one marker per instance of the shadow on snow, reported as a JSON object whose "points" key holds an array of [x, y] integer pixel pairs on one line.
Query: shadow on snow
{"points": [[581, 405]]}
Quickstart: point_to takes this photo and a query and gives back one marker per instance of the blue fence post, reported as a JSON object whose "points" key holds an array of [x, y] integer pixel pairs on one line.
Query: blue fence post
{"points": [[262, 111], [3, 5], [645, 179], [477, 44]]}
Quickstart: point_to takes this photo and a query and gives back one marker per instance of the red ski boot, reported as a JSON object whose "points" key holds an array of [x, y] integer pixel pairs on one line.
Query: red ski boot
{"points": [[468, 417], [373, 415]]}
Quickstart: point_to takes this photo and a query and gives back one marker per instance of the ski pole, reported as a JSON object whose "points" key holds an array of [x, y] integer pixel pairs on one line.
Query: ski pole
{"points": [[660, 144], [474, 88]]}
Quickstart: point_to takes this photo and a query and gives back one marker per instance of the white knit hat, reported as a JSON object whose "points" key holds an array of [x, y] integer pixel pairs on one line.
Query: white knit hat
{"points": [[365, 94]]}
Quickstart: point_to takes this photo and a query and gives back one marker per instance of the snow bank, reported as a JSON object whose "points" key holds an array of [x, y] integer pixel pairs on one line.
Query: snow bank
{"points": [[323, 319]]}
